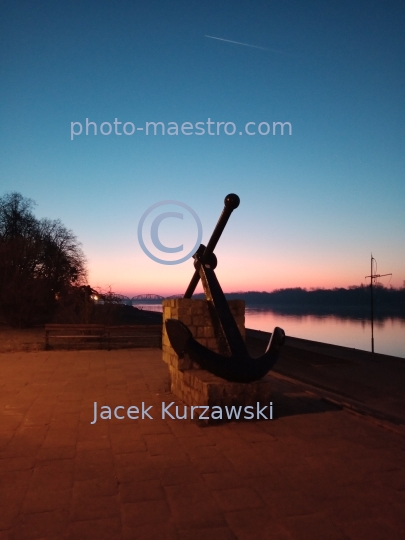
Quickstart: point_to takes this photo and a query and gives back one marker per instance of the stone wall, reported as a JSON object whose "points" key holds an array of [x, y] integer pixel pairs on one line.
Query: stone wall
{"points": [[195, 386]]}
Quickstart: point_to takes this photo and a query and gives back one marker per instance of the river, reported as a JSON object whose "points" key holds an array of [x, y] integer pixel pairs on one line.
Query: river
{"points": [[389, 333]]}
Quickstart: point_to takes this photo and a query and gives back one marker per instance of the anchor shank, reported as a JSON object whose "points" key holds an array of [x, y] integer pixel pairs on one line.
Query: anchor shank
{"points": [[215, 296]]}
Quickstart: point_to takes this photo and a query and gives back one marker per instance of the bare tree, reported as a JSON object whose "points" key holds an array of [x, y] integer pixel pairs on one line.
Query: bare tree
{"points": [[62, 260], [40, 260]]}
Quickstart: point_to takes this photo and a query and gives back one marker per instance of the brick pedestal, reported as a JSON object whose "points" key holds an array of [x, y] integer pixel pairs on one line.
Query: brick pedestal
{"points": [[195, 386]]}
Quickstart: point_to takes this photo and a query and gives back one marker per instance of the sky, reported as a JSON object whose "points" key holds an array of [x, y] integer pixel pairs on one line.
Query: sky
{"points": [[314, 203]]}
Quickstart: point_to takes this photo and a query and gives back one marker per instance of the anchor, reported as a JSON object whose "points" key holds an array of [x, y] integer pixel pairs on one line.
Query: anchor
{"points": [[235, 364]]}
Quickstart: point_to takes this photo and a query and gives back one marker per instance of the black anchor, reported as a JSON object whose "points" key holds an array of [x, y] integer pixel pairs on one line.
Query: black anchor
{"points": [[235, 365]]}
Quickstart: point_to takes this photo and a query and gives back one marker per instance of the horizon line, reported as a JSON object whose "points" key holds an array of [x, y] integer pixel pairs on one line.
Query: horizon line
{"points": [[306, 289]]}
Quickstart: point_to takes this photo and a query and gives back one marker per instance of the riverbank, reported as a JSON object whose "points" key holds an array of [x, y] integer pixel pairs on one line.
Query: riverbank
{"points": [[366, 382], [33, 339]]}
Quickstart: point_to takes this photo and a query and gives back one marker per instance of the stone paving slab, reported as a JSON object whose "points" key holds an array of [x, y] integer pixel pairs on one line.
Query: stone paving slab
{"points": [[313, 472]]}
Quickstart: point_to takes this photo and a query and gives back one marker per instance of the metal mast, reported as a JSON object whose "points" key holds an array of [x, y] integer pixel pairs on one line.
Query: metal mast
{"points": [[373, 276]]}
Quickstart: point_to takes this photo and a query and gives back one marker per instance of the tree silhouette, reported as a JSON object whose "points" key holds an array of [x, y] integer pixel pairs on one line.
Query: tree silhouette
{"points": [[40, 260]]}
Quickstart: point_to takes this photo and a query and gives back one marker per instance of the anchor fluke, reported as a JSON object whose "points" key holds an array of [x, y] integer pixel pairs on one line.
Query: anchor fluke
{"points": [[236, 368], [179, 335]]}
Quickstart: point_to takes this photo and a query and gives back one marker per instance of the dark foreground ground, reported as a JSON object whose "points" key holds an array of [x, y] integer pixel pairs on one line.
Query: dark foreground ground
{"points": [[322, 469]]}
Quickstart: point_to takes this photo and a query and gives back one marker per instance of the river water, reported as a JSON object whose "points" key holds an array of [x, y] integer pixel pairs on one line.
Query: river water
{"points": [[389, 333]]}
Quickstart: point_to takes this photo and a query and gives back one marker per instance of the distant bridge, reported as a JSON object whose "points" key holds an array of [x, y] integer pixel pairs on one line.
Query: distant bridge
{"points": [[150, 297], [140, 298], [147, 298], [153, 298]]}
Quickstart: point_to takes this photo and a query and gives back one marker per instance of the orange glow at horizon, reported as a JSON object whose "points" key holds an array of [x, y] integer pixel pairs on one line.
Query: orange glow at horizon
{"points": [[152, 278]]}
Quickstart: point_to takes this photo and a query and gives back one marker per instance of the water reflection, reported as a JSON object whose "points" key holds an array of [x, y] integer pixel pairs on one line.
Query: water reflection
{"points": [[389, 333], [349, 329]]}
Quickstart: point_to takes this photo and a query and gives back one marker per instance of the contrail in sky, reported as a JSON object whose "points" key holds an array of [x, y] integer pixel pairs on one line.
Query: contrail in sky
{"points": [[239, 43]]}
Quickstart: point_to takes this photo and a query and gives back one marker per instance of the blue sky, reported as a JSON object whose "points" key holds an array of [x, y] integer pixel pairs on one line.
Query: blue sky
{"points": [[314, 205]]}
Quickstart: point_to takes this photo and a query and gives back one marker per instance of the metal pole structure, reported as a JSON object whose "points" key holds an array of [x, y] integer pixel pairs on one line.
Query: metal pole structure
{"points": [[373, 276], [372, 306]]}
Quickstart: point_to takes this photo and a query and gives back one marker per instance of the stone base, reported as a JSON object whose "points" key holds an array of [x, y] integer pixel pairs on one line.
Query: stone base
{"points": [[196, 386], [201, 388]]}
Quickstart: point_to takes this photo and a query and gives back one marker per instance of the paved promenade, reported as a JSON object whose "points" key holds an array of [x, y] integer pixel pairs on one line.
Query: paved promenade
{"points": [[315, 472]]}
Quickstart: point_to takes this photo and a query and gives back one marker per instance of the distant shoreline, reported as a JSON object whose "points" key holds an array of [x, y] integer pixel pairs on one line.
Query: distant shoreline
{"points": [[344, 312], [351, 302]]}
